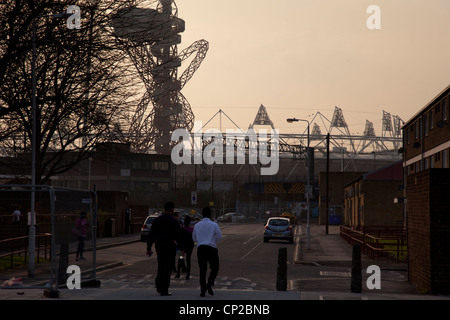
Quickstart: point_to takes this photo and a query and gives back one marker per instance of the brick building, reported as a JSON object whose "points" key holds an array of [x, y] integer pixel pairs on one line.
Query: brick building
{"points": [[336, 183], [426, 149], [369, 199], [145, 178]]}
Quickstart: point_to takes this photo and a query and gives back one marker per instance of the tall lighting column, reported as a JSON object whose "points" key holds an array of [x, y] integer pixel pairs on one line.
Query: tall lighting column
{"points": [[308, 184], [32, 230]]}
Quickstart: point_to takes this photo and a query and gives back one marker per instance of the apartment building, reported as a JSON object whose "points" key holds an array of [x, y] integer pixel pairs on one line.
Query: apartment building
{"points": [[426, 139]]}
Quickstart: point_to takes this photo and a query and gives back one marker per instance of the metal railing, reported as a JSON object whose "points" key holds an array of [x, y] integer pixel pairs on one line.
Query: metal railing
{"points": [[19, 245], [378, 243]]}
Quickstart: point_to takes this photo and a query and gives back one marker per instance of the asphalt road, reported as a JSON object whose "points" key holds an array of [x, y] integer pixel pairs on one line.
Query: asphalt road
{"points": [[246, 262]]}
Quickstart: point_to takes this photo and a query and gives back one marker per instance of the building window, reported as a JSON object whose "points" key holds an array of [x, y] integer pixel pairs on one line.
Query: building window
{"points": [[445, 158], [437, 108], [417, 129], [444, 109], [162, 187], [437, 157], [425, 124], [430, 118], [160, 165]]}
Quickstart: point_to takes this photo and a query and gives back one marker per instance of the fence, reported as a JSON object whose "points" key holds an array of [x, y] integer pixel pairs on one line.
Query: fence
{"points": [[252, 213], [56, 210], [378, 242], [18, 246]]}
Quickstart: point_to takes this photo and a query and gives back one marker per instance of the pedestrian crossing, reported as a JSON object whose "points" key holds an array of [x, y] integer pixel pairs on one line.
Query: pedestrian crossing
{"points": [[332, 296], [148, 281]]}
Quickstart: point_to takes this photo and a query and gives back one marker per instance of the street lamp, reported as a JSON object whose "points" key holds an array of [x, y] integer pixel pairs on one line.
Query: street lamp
{"points": [[308, 184], [32, 231]]}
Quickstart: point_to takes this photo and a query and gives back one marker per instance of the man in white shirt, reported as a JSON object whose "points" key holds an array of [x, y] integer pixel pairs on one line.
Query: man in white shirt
{"points": [[207, 233]]}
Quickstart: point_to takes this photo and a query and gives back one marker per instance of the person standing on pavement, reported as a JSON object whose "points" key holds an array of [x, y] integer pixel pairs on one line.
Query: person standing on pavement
{"points": [[81, 225], [165, 234], [16, 215], [207, 233]]}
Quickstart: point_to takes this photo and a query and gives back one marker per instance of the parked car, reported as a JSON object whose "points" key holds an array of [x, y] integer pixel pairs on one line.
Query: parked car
{"points": [[195, 217], [232, 217], [145, 229], [278, 228]]}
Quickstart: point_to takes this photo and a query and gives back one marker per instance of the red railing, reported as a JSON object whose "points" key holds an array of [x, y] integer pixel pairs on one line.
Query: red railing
{"points": [[378, 242], [19, 245]]}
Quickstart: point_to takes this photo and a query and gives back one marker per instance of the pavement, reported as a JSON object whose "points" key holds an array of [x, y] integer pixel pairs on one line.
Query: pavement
{"points": [[328, 253]]}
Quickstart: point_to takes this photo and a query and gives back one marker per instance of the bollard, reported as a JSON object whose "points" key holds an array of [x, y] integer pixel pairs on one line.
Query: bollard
{"points": [[356, 285], [282, 270]]}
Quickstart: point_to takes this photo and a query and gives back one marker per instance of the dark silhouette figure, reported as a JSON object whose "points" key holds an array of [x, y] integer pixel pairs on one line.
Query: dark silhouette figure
{"points": [[165, 234], [186, 246]]}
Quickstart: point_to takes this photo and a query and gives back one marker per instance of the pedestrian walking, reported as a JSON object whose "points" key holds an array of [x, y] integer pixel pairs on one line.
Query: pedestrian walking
{"points": [[206, 234], [176, 215], [186, 246], [165, 234], [81, 226]]}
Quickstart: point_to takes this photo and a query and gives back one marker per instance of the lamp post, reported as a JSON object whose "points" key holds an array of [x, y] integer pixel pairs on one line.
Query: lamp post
{"points": [[308, 185], [32, 230]]}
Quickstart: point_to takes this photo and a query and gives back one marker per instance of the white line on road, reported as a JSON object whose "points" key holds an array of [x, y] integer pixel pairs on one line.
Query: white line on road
{"points": [[251, 250], [244, 243]]}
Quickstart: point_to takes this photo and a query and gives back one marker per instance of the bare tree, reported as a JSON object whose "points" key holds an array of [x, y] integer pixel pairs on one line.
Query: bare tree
{"points": [[84, 84]]}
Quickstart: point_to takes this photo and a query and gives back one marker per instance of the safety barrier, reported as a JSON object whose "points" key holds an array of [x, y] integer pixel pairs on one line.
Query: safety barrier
{"points": [[378, 242], [18, 246]]}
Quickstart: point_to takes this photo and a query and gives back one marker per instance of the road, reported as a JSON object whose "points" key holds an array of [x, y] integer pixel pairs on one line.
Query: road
{"points": [[245, 262], [248, 271]]}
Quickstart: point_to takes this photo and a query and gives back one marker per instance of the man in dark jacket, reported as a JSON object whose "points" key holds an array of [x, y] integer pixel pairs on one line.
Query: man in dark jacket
{"points": [[165, 234]]}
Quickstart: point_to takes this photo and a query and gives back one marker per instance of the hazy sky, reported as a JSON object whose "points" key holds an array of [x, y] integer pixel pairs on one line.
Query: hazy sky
{"points": [[298, 57]]}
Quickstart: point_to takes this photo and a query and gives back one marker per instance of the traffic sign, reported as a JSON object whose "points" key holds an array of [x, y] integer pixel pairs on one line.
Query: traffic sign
{"points": [[194, 197]]}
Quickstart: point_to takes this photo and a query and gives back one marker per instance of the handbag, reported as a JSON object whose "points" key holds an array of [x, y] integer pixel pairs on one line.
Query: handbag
{"points": [[181, 264]]}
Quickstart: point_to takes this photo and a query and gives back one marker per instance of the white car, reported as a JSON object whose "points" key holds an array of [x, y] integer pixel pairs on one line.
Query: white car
{"points": [[146, 226], [232, 217]]}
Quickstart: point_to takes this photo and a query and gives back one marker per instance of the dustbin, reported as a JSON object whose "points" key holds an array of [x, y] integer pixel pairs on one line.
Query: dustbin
{"points": [[110, 227], [335, 219]]}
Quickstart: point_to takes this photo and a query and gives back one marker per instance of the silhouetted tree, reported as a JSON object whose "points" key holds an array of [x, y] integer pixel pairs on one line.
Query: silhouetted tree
{"points": [[84, 83]]}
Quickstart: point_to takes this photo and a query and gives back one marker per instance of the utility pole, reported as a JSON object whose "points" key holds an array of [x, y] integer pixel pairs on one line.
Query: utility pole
{"points": [[309, 188], [327, 194]]}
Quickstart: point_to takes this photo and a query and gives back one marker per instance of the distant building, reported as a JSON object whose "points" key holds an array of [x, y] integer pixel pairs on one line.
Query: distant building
{"points": [[426, 148], [336, 183], [146, 178], [372, 198]]}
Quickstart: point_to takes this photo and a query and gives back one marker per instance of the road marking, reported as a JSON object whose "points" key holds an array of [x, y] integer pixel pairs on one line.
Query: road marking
{"points": [[240, 278], [252, 250], [244, 243], [119, 267]]}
